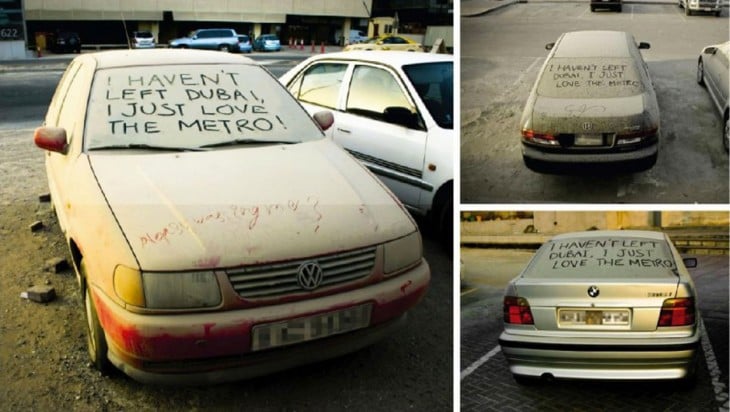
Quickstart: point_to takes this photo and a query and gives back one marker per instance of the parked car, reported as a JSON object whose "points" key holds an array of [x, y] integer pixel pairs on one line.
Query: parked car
{"points": [[212, 39], [592, 105], [143, 40], [394, 112], [355, 36], [66, 42], [707, 6], [269, 269], [612, 4], [612, 305], [387, 42], [244, 44], [267, 42], [712, 73]]}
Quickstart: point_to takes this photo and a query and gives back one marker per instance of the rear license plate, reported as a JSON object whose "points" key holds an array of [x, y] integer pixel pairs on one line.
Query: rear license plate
{"points": [[606, 317], [592, 139], [293, 331]]}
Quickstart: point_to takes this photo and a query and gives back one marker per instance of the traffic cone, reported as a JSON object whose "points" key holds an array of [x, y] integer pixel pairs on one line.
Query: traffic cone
{"points": [[38, 50], [312, 46], [322, 49], [301, 44]]}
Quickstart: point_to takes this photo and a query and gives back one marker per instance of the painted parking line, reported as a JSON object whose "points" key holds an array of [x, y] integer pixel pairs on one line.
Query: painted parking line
{"points": [[468, 291], [468, 371]]}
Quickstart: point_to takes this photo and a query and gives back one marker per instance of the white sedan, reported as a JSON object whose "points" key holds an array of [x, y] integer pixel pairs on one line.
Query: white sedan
{"points": [[713, 69], [216, 234], [394, 112]]}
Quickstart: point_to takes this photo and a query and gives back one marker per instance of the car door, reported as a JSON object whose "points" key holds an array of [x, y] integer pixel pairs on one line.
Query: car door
{"points": [[67, 111], [394, 152]]}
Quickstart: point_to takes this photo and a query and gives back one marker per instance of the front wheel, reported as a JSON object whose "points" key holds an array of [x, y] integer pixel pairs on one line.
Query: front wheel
{"points": [[700, 73], [224, 48], [95, 339]]}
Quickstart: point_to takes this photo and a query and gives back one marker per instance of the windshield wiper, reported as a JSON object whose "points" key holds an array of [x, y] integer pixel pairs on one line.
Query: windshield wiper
{"points": [[245, 142], [146, 147]]}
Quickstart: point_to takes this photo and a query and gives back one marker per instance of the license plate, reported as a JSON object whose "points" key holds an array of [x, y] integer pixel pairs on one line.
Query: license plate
{"points": [[592, 139], [293, 331], [606, 317]]}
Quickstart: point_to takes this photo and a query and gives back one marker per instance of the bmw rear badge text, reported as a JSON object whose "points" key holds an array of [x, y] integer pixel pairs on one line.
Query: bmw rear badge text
{"points": [[593, 291]]}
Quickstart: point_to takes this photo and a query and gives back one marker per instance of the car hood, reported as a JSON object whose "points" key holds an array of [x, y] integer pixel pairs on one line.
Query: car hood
{"points": [[570, 115], [233, 207]]}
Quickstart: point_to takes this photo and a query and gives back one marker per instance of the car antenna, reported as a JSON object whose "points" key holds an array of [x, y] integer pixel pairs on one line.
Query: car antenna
{"points": [[126, 33]]}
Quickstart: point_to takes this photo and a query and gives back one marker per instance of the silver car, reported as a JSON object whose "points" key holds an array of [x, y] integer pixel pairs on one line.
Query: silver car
{"points": [[712, 72], [614, 305], [593, 103]]}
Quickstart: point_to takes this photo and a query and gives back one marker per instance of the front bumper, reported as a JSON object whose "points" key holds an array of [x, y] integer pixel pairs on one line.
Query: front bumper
{"points": [[606, 359], [212, 347]]}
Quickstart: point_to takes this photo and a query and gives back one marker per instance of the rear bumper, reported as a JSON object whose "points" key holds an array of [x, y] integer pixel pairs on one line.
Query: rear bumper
{"points": [[604, 359], [572, 157], [212, 347]]}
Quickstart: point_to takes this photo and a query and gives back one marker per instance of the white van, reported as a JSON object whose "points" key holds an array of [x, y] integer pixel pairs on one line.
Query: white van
{"points": [[356, 36]]}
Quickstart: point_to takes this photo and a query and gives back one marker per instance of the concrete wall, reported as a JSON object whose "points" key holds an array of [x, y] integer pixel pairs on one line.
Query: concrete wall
{"points": [[218, 10], [10, 50]]}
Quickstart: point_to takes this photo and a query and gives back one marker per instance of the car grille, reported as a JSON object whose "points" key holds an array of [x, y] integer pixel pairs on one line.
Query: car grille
{"points": [[271, 280]]}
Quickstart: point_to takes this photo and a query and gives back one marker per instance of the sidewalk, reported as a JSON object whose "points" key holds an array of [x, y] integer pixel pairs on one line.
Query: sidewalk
{"points": [[473, 8]]}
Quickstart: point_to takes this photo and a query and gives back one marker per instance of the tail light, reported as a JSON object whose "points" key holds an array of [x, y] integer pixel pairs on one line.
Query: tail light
{"points": [[529, 135], [677, 312], [636, 136], [517, 311]]}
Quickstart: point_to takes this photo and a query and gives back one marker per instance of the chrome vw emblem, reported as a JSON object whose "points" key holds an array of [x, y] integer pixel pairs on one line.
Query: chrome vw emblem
{"points": [[593, 291], [309, 275]]}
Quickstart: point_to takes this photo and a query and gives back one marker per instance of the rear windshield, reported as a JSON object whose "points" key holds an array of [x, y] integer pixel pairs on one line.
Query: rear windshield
{"points": [[590, 77], [189, 106], [602, 257]]}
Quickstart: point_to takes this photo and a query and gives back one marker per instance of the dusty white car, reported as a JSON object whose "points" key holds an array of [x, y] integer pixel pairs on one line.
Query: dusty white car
{"points": [[394, 112], [713, 70], [592, 106], [215, 232], [612, 305]]}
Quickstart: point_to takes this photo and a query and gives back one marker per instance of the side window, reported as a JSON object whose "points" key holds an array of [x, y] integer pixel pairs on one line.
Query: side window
{"points": [[320, 84], [205, 34], [74, 105], [60, 94], [372, 90]]}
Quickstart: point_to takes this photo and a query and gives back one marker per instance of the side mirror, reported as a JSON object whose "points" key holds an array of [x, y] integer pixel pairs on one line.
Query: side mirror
{"points": [[549, 46], [324, 119], [400, 116], [709, 50], [690, 262], [52, 139], [644, 45]]}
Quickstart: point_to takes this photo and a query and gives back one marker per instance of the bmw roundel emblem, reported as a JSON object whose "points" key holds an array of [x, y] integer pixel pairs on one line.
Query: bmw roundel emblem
{"points": [[309, 275], [593, 291]]}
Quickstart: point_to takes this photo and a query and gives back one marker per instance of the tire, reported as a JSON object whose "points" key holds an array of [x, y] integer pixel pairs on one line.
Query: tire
{"points": [[525, 380], [687, 11], [700, 72], [593, 8], [224, 48], [95, 340]]}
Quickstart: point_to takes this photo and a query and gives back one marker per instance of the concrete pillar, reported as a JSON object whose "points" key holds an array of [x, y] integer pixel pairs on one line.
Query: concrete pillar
{"points": [[256, 29], [346, 27]]}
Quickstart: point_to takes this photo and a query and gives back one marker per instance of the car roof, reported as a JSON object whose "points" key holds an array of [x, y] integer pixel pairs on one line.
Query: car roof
{"points": [[393, 58], [594, 43], [121, 58], [643, 234]]}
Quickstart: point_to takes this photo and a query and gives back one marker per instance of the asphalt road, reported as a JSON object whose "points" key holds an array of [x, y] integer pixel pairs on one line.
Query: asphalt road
{"points": [[502, 53], [487, 385]]}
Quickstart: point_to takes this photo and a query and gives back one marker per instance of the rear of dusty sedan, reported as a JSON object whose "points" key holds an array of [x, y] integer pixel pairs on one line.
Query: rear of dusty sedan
{"points": [[611, 305], [592, 105]]}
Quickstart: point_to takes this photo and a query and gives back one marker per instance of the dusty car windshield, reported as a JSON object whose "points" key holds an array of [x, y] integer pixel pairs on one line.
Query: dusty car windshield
{"points": [[616, 257], [191, 106], [434, 83], [590, 77]]}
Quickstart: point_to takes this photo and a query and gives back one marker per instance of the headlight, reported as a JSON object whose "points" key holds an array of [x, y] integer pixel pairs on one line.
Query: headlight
{"points": [[167, 290], [402, 253]]}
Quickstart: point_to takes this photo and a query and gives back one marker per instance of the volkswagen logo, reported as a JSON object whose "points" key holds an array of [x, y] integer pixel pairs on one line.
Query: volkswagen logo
{"points": [[309, 275], [593, 291]]}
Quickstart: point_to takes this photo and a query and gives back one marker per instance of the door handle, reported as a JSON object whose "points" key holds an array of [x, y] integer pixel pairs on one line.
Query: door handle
{"points": [[339, 129]]}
